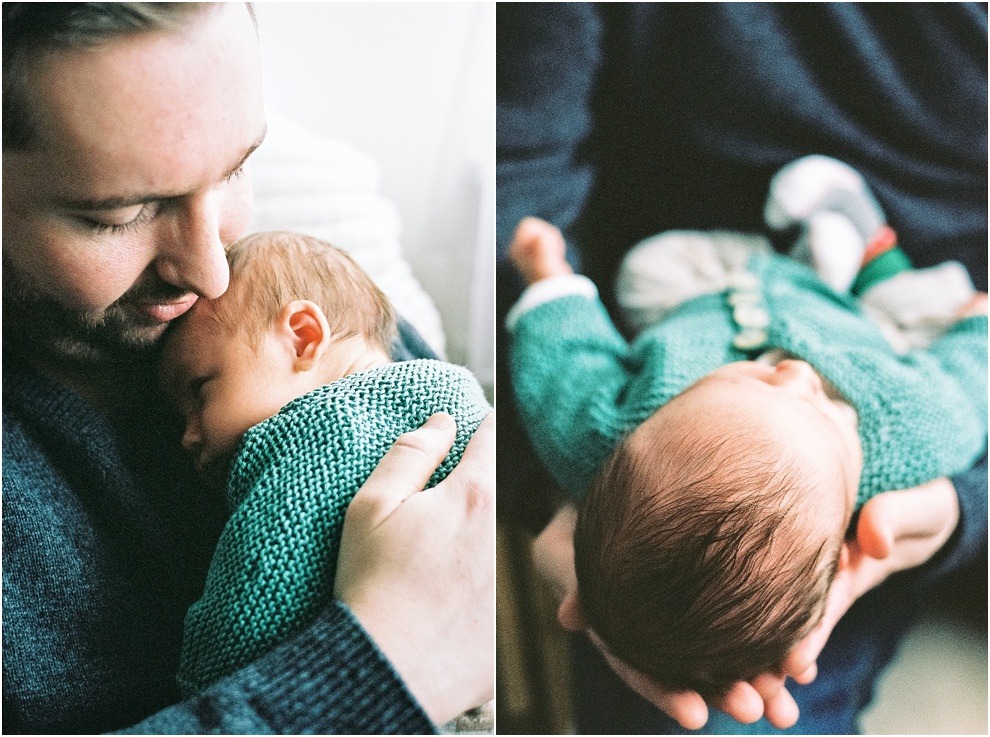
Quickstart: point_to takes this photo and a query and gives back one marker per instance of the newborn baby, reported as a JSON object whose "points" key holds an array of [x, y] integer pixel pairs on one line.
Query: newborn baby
{"points": [[291, 399], [722, 454]]}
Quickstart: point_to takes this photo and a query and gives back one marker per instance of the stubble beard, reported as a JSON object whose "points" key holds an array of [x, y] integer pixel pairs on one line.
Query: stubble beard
{"points": [[39, 326]]}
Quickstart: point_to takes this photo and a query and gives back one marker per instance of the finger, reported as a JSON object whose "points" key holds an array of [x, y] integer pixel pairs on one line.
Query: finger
{"points": [[526, 232], [808, 675], [405, 469], [767, 685], [569, 614], [553, 555], [873, 531], [529, 229], [804, 655], [782, 711], [742, 702], [840, 597], [917, 512], [481, 448], [472, 480], [687, 708]]}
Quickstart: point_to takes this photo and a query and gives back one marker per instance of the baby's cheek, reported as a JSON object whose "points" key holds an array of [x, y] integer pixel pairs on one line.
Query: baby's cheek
{"points": [[225, 428]]}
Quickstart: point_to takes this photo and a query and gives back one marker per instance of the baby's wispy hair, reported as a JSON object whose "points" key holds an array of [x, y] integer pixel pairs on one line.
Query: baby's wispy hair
{"points": [[269, 270], [696, 563]]}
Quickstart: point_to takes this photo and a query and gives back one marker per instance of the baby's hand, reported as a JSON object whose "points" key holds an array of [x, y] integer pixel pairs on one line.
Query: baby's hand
{"points": [[537, 250], [974, 307]]}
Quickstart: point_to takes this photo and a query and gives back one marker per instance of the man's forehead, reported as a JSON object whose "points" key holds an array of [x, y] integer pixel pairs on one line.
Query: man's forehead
{"points": [[154, 111]]}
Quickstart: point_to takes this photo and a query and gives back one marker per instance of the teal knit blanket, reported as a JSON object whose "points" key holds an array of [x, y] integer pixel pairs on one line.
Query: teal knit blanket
{"points": [[582, 387], [294, 475]]}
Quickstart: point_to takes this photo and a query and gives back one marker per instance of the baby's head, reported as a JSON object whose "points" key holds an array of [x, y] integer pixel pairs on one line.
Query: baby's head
{"points": [[298, 314], [706, 546]]}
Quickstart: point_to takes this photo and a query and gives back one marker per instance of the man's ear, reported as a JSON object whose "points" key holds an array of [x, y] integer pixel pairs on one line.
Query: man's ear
{"points": [[305, 327], [570, 615]]}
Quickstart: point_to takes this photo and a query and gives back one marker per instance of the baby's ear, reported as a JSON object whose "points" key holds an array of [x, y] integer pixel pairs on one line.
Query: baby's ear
{"points": [[570, 615], [305, 327]]}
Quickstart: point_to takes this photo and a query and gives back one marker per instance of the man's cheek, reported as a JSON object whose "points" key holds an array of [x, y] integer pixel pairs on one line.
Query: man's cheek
{"points": [[87, 275]]}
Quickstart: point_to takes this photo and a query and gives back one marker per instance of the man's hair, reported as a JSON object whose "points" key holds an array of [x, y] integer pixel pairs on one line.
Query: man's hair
{"points": [[270, 270], [696, 563], [31, 30]]}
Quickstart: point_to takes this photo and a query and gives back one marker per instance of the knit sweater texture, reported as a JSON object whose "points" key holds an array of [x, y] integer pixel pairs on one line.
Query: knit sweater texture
{"points": [[583, 388], [106, 541], [289, 487]]}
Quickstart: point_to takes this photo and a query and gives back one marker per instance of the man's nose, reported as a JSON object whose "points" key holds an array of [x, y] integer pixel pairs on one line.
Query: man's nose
{"points": [[191, 252], [798, 377]]}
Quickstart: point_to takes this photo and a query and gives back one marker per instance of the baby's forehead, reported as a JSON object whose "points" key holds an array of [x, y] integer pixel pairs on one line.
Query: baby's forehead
{"points": [[744, 423], [736, 421], [194, 337], [714, 405]]}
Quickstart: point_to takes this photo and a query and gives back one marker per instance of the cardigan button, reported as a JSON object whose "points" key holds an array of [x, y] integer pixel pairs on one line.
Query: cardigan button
{"points": [[742, 298], [751, 316], [743, 281], [750, 339]]}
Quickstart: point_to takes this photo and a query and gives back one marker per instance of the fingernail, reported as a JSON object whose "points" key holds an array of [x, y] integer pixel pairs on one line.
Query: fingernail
{"points": [[439, 421]]}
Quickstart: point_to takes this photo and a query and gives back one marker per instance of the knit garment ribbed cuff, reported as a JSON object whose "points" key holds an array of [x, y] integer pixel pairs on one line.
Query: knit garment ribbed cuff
{"points": [[547, 290], [335, 680]]}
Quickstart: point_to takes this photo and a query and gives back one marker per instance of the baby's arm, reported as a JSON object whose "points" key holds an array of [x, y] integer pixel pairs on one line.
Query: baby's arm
{"points": [[961, 356], [567, 360], [932, 408]]}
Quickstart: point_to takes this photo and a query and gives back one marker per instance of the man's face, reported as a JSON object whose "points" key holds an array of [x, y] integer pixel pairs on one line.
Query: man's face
{"points": [[115, 218]]}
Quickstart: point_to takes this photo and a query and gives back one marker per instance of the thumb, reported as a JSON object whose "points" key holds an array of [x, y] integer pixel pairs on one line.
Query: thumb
{"points": [[569, 614], [404, 470], [874, 532], [925, 511]]}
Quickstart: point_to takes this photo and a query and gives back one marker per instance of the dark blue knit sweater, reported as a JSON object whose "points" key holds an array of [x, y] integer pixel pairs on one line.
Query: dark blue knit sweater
{"points": [[106, 539]]}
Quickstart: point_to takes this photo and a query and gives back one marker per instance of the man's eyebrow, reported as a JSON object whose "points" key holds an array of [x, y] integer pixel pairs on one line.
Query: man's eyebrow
{"points": [[115, 203]]}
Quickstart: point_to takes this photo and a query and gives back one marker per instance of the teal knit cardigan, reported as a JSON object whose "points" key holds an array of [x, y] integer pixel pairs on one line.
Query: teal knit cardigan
{"points": [[294, 475], [582, 387]]}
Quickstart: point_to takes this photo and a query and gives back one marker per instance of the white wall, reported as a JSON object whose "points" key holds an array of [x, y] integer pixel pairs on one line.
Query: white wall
{"points": [[412, 84]]}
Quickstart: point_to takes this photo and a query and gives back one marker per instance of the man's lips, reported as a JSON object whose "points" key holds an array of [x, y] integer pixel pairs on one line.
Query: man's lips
{"points": [[166, 311]]}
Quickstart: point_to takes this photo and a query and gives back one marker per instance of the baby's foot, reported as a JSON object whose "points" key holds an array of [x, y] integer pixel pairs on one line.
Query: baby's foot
{"points": [[835, 212], [538, 250]]}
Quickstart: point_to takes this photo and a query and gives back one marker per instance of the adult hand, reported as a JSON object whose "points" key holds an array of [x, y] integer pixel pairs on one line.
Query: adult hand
{"points": [[553, 557], [417, 568], [897, 530]]}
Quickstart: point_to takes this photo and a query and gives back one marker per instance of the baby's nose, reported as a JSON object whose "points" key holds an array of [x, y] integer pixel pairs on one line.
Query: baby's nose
{"points": [[192, 439], [797, 376]]}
